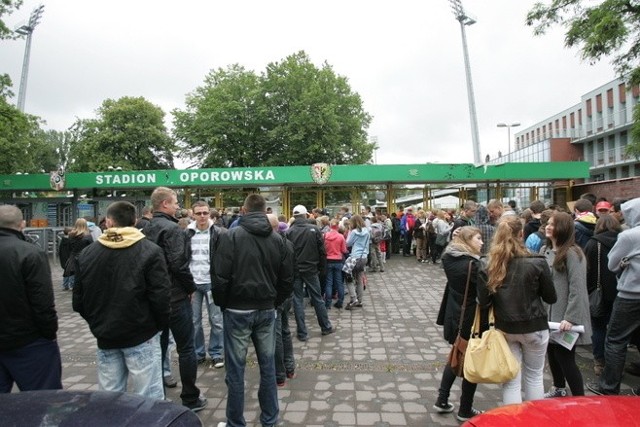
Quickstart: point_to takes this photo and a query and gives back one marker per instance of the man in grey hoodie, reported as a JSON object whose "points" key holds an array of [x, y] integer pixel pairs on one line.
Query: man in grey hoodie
{"points": [[624, 260]]}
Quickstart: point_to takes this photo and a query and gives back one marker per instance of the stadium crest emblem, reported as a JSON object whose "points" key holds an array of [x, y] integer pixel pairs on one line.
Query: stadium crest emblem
{"points": [[320, 173], [56, 179]]}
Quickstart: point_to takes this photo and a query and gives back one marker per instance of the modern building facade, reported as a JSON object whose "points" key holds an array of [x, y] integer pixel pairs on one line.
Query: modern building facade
{"points": [[596, 130]]}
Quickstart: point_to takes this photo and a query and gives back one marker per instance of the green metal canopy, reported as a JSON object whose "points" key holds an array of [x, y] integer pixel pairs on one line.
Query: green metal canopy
{"points": [[316, 174]]}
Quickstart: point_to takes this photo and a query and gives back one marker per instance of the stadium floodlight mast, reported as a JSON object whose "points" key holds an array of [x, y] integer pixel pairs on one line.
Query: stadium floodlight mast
{"points": [[27, 30], [464, 20]]}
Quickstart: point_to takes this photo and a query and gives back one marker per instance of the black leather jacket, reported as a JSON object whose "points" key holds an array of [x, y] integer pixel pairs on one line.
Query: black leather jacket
{"points": [[308, 243], [27, 309], [164, 231], [517, 303]]}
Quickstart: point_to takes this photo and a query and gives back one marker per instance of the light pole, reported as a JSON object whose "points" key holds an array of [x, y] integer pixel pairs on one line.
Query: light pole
{"points": [[27, 30], [464, 20], [512, 125], [374, 142]]}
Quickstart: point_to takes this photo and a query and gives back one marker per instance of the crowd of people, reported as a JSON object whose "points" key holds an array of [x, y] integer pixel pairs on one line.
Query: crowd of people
{"points": [[540, 268], [141, 283]]}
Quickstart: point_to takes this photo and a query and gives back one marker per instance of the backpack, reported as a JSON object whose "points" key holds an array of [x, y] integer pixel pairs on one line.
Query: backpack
{"points": [[430, 229], [411, 222], [377, 235], [387, 233]]}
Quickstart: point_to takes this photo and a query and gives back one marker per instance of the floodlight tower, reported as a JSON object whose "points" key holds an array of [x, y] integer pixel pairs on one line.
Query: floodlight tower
{"points": [[27, 30], [464, 20]]}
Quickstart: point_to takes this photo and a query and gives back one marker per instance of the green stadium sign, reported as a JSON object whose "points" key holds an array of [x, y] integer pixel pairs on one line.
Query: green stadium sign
{"points": [[316, 174]]}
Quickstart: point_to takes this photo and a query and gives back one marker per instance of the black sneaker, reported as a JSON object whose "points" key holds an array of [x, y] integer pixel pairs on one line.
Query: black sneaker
{"points": [[443, 408], [555, 392], [329, 331], [351, 305], [595, 389], [198, 405], [337, 305], [635, 391], [169, 381], [633, 368], [466, 417], [218, 363]]}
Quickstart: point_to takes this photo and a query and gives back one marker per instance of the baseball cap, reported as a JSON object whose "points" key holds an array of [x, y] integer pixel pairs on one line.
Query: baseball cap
{"points": [[603, 206], [299, 210]]}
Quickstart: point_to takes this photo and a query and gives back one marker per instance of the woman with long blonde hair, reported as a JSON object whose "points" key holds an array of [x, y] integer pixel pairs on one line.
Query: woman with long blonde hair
{"points": [[79, 238], [461, 262], [517, 284]]}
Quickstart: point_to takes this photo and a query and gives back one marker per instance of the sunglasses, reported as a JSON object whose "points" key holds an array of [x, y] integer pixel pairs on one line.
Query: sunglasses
{"points": [[201, 213]]}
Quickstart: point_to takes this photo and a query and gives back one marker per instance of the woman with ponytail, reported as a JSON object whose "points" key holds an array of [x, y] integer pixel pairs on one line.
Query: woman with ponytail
{"points": [[517, 284]]}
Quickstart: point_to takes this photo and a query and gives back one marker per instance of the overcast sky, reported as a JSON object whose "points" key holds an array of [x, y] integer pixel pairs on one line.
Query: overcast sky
{"points": [[403, 57]]}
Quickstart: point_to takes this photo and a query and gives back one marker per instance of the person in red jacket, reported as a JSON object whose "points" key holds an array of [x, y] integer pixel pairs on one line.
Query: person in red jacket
{"points": [[336, 248]]}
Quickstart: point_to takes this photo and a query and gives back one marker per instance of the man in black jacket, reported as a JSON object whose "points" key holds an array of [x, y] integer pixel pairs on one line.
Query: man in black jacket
{"points": [[311, 261], [29, 353], [252, 275], [164, 231], [122, 291]]}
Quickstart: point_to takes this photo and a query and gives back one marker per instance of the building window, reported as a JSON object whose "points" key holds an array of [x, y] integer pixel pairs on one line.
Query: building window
{"points": [[600, 152], [612, 173], [624, 171]]}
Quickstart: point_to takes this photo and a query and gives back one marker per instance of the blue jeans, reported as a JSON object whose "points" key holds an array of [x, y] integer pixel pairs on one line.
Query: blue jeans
{"points": [[313, 288], [257, 326], [625, 319], [68, 282], [141, 363], [181, 325], [216, 345], [285, 361], [36, 366], [166, 361], [334, 283]]}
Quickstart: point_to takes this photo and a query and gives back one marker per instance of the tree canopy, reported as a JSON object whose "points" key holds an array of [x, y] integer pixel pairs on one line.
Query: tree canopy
{"points": [[127, 133], [294, 113], [609, 28], [23, 147]]}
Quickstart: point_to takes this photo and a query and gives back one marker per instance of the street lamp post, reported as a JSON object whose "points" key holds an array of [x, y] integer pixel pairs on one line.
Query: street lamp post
{"points": [[27, 30], [464, 20], [512, 125]]}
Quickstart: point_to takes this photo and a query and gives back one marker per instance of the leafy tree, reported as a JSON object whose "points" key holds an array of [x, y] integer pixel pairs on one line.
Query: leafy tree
{"points": [[313, 115], [221, 125], [128, 132], [22, 148], [294, 113], [609, 28]]}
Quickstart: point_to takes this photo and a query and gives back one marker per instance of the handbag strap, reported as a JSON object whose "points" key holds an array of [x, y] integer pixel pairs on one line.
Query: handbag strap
{"points": [[464, 299], [599, 286]]}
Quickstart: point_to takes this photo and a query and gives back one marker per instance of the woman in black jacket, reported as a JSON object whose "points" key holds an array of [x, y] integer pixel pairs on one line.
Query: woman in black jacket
{"points": [[597, 251], [517, 284], [463, 250], [79, 238]]}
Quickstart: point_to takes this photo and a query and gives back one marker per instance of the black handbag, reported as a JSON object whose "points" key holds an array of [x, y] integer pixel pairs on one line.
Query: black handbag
{"points": [[595, 298]]}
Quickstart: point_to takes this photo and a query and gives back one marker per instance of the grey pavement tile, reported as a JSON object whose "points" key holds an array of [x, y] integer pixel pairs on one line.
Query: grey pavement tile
{"points": [[382, 367]]}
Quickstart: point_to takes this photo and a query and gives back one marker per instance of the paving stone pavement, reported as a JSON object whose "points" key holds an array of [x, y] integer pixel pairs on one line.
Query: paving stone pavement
{"points": [[382, 367]]}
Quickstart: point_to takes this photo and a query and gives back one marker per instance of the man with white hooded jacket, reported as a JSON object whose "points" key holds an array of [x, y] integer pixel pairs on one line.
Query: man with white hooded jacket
{"points": [[624, 260]]}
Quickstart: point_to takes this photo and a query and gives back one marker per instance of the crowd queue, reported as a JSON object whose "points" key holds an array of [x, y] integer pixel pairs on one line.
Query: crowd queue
{"points": [[141, 283]]}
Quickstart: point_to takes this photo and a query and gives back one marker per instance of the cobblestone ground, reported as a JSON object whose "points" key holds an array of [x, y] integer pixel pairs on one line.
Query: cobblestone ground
{"points": [[381, 368]]}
